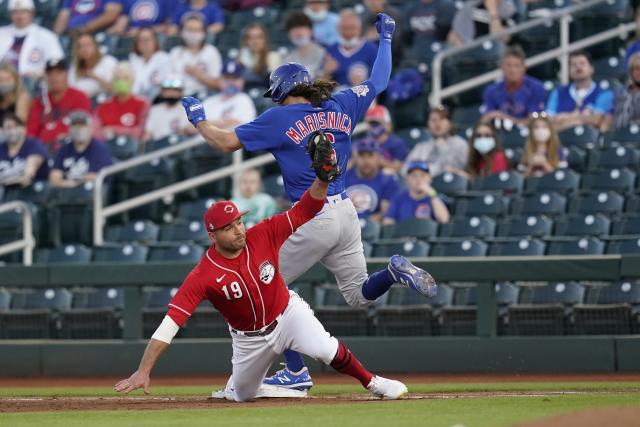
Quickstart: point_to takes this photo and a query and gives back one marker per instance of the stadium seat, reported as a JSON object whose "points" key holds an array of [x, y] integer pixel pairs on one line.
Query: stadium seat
{"points": [[480, 227], [369, 230], [155, 301], [95, 314], [615, 313], [261, 15], [521, 247], [67, 254], [608, 203], [144, 179], [34, 313], [561, 181], [545, 203], [507, 182], [409, 114], [126, 253], [194, 211], [489, 204], [584, 137], [466, 247], [576, 158], [516, 138], [584, 225], [609, 68], [144, 232], [619, 180], [413, 135], [624, 246], [629, 135], [629, 225], [38, 193], [408, 248], [616, 157], [524, 226], [177, 253], [69, 214], [450, 183], [582, 246], [337, 317], [123, 147], [182, 231], [466, 116], [420, 228]]}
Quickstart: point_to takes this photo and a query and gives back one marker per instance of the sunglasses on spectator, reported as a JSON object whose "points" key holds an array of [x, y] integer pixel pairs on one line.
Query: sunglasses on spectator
{"points": [[539, 115]]}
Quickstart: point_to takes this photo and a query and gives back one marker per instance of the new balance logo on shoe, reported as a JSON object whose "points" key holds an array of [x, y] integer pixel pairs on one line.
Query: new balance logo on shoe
{"points": [[284, 379]]}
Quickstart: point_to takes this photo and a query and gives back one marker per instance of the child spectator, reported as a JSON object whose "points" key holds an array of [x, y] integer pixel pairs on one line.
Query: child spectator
{"points": [[542, 152]]}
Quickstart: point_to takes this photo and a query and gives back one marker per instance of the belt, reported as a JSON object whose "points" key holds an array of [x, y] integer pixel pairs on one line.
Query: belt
{"points": [[336, 198], [259, 333]]}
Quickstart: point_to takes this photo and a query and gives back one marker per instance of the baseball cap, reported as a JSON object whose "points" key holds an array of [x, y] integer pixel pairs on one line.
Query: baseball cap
{"points": [[367, 145], [220, 214], [232, 68], [172, 83], [56, 64], [21, 5], [417, 165], [379, 114], [79, 117]]}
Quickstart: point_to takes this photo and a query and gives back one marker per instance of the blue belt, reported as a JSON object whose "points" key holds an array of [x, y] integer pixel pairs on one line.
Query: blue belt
{"points": [[337, 197]]}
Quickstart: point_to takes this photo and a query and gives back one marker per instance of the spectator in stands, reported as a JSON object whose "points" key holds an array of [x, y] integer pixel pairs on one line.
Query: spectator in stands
{"points": [[210, 12], [582, 102], [517, 95], [136, 15], [245, 4], [444, 151], [231, 107], [48, 116], [542, 152], [369, 189], [627, 101], [167, 117], [420, 200], [82, 157], [352, 50], [260, 205], [150, 64], [91, 71], [372, 9], [306, 52], [256, 56], [393, 149], [325, 22], [196, 62], [88, 16], [486, 156], [26, 45], [14, 98], [429, 21], [22, 160], [123, 113], [478, 18]]}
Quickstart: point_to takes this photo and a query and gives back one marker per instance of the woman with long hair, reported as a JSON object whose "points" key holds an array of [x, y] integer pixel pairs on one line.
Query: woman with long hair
{"points": [[149, 63], [486, 156], [256, 55], [14, 98], [91, 71], [542, 152]]}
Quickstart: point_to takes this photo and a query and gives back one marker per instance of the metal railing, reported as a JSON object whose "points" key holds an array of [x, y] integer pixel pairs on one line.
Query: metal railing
{"points": [[27, 243], [561, 53], [102, 212]]}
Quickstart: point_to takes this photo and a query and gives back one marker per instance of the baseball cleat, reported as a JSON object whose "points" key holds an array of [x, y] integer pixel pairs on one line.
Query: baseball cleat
{"points": [[284, 378], [409, 275], [265, 391], [386, 388]]}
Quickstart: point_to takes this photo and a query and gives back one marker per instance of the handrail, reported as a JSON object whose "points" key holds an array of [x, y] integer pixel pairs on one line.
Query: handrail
{"points": [[563, 14], [27, 243]]}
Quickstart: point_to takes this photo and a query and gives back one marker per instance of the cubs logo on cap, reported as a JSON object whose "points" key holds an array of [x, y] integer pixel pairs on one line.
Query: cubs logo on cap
{"points": [[221, 214]]}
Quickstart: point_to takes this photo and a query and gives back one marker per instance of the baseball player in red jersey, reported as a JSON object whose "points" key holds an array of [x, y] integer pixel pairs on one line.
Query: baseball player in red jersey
{"points": [[240, 276]]}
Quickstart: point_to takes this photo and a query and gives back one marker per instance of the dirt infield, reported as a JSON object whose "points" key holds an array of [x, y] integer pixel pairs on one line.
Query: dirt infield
{"points": [[619, 417], [33, 404]]}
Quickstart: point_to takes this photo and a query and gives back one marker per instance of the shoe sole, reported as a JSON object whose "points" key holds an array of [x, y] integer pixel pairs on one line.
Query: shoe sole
{"points": [[298, 386], [265, 391], [423, 282]]}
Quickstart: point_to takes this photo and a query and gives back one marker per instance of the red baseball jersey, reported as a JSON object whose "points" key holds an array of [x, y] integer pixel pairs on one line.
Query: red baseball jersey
{"points": [[128, 116], [248, 290]]}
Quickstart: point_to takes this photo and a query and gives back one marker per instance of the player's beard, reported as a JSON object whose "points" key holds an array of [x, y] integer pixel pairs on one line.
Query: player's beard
{"points": [[234, 245]]}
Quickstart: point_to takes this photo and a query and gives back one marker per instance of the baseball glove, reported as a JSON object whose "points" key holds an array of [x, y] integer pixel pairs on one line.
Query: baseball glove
{"points": [[323, 157]]}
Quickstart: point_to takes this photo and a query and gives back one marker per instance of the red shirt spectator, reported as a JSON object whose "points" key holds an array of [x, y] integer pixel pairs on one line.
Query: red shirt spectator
{"points": [[47, 117], [486, 156], [121, 117]]}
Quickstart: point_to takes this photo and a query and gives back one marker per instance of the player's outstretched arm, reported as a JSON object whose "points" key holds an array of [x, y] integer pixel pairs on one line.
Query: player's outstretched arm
{"points": [[381, 71], [141, 377], [217, 138]]}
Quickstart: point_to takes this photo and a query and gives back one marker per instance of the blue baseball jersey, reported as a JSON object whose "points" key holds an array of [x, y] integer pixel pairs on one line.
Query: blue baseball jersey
{"points": [[84, 11], [363, 57], [403, 206], [283, 131], [367, 193], [144, 13], [530, 97], [76, 165], [14, 167]]}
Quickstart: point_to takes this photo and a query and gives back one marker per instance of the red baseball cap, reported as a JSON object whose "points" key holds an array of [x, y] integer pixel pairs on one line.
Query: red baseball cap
{"points": [[379, 114], [220, 214]]}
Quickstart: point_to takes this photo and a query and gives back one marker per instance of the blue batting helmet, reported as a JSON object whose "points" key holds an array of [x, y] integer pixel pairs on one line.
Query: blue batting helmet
{"points": [[284, 78]]}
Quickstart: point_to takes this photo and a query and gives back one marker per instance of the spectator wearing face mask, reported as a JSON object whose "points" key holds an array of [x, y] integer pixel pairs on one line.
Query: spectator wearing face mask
{"points": [[627, 100], [210, 12], [325, 22], [486, 156], [420, 200], [542, 152], [167, 117], [14, 98], [22, 160], [82, 157], [256, 56], [197, 63], [393, 149], [353, 50], [231, 107], [306, 51], [123, 113], [258, 204]]}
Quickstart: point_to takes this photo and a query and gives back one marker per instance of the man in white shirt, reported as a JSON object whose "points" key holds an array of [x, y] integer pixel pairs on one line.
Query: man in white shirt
{"points": [[167, 117], [26, 45], [231, 107]]}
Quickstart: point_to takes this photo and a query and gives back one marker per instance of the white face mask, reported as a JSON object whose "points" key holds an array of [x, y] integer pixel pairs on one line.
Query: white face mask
{"points": [[484, 144], [542, 134], [81, 134], [192, 38], [300, 41], [350, 43], [315, 16], [14, 136]]}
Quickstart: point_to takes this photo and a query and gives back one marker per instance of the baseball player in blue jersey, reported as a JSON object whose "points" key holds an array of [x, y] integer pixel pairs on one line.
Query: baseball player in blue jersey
{"points": [[333, 236]]}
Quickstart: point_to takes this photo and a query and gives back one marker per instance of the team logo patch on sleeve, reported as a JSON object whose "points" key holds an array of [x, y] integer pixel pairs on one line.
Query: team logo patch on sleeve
{"points": [[267, 271], [360, 90]]}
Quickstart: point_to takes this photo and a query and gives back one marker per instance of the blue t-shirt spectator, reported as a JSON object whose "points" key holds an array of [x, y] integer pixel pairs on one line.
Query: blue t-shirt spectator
{"points": [[528, 98], [14, 167], [210, 14], [596, 100], [146, 13], [75, 165], [366, 194], [362, 57], [82, 12], [394, 148], [403, 207]]}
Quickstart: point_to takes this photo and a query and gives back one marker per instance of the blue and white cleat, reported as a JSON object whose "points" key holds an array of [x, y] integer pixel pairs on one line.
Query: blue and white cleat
{"points": [[409, 275], [293, 380]]}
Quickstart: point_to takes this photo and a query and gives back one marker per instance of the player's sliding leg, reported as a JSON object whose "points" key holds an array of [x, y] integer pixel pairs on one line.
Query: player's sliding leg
{"points": [[252, 357]]}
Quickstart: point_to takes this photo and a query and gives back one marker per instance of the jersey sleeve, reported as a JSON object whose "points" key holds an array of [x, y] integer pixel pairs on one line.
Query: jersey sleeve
{"points": [[259, 133], [355, 101], [186, 300]]}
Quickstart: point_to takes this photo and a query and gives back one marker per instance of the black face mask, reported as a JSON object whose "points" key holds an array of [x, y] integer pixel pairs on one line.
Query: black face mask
{"points": [[170, 101]]}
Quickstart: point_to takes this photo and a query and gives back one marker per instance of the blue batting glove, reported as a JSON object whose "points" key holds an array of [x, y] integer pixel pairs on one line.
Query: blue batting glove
{"points": [[385, 26], [194, 109]]}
